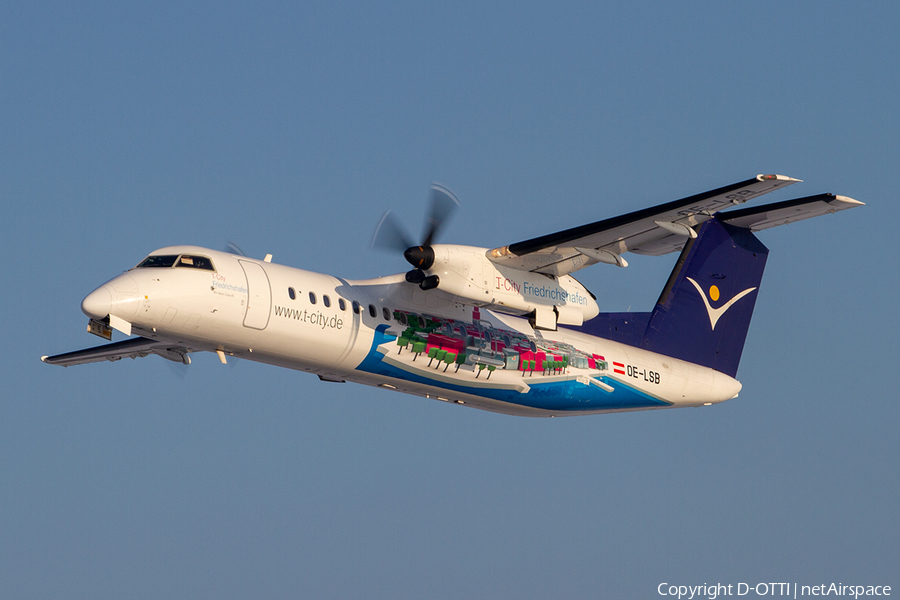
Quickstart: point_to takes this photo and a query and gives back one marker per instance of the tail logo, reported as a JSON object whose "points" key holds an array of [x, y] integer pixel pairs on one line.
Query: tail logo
{"points": [[716, 313]]}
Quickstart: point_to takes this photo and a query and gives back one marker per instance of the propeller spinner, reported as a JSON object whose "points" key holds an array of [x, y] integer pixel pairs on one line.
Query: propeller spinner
{"points": [[390, 235]]}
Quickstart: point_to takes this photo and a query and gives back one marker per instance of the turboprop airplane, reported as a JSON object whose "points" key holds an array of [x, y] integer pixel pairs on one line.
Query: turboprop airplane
{"points": [[507, 329]]}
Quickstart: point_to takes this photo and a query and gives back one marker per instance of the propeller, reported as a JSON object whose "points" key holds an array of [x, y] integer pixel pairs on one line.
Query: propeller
{"points": [[443, 203], [233, 248], [391, 236]]}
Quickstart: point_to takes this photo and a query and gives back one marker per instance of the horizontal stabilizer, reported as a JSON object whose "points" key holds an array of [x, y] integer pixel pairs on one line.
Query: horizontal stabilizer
{"points": [[757, 218]]}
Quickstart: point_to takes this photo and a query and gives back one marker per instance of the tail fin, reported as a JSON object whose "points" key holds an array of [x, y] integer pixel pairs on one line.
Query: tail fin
{"points": [[703, 313]]}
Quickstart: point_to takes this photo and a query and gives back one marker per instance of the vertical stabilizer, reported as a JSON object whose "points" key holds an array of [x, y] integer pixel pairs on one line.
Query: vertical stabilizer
{"points": [[703, 313]]}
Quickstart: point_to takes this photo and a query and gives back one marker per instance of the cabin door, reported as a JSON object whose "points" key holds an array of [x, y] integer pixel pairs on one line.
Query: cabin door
{"points": [[259, 296]]}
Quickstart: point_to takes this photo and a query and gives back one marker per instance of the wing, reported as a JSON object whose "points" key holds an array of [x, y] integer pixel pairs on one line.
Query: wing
{"points": [[136, 348], [758, 218], [654, 231]]}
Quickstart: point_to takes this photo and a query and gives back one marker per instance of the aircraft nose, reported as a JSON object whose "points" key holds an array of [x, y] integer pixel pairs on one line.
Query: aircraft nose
{"points": [[96, 304]]}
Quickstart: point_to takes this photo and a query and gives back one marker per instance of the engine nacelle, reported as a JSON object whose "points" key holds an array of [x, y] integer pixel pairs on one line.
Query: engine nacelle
{"points": [[466, 275]]}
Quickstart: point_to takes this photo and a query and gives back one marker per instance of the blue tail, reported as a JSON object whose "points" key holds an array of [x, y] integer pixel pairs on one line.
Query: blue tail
{"points": [[703, 313]]}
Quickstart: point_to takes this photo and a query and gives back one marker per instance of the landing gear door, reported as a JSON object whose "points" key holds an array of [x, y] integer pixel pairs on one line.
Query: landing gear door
{"points": [[259, 296]]}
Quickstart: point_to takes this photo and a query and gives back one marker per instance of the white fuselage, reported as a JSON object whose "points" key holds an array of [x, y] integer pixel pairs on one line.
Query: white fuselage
{"points": [[389, 333]]}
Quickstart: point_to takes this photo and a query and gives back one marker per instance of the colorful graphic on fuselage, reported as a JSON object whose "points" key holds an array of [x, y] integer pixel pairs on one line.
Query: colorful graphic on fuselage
{"points": [[481, 360]]}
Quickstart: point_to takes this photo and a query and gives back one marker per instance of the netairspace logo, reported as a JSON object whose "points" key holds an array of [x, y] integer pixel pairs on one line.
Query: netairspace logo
{"points": [[792, 590]]}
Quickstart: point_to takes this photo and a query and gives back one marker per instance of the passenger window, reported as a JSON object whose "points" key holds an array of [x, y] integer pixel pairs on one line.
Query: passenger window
{"points": [[356, 307], [312, 298], [341, 304], [291, 293], [372, 312], [386, 313], [326, 301]]}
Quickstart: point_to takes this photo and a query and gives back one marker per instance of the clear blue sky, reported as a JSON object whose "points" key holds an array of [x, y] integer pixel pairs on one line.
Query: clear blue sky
{"points": [[288, 128]]}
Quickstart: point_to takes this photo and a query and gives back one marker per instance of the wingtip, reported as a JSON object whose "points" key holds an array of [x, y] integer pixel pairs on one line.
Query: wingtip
{"points": [[776, 177], [848, 200]]}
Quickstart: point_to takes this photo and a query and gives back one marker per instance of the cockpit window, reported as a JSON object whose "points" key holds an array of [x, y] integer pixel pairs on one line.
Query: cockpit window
{"points": [[173, 260], [165, 260], [195, 262]]}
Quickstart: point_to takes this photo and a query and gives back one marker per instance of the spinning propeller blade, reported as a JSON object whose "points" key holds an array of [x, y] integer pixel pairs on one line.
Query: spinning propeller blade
{"points": [[443, 203], [390, 235]]}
